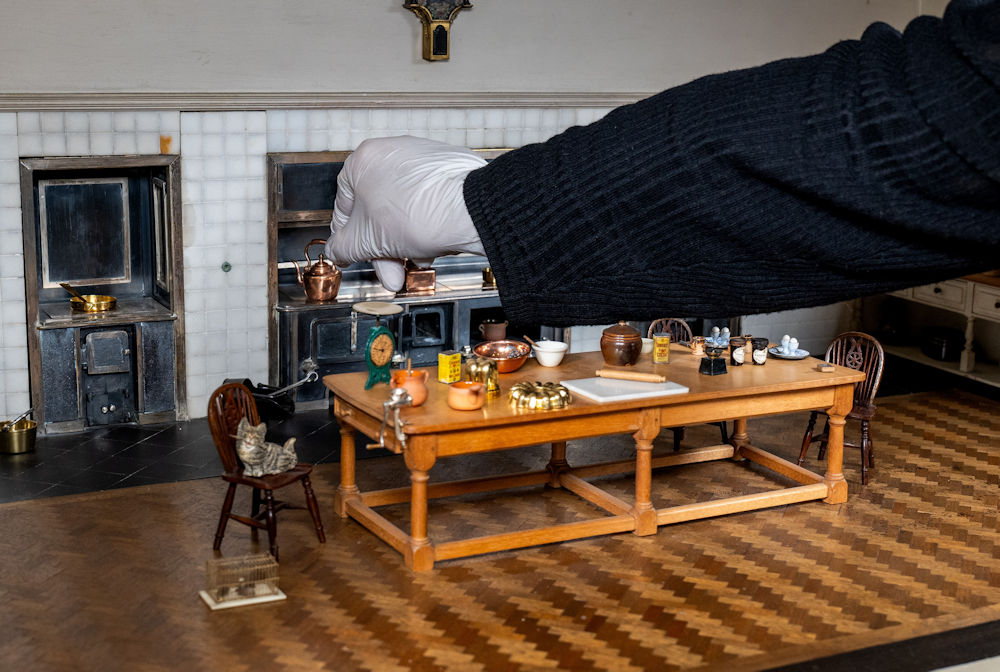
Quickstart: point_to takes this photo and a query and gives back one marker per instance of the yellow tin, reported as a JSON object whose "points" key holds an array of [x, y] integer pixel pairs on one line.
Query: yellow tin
{"points": [[449, 366], [661, 348]]}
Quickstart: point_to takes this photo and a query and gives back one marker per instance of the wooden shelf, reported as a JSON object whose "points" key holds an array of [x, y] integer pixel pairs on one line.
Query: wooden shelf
{"points": [[983, 372]]}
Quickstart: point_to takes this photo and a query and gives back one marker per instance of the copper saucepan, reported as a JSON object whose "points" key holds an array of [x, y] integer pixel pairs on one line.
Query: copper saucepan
{"points": [[89, 303]]}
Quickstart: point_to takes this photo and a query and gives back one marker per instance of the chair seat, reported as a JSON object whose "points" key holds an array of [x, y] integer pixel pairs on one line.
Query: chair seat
{"points": [[269, 481], [860, 412]]}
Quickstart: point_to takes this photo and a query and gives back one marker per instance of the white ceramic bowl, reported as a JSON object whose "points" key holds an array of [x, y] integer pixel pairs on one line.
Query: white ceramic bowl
{"points": [[647, 346], [550, 353]]}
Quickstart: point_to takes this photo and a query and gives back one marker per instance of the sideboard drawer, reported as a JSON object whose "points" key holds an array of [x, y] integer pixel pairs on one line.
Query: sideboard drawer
{"points": [[948, 294], [986, 302]]}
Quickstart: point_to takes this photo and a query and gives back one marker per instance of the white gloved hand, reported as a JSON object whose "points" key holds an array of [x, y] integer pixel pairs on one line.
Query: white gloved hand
{"points": [[401, 198]]}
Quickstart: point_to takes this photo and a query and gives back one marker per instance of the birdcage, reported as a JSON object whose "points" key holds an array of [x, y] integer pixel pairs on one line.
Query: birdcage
{"points": [[247, 579]]}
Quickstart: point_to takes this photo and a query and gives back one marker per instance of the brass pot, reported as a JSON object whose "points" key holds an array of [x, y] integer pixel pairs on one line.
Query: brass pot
{"points": [[18, 437], [92, 303], [88, 303]]}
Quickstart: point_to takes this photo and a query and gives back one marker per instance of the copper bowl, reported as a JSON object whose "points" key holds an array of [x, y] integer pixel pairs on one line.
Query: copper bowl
{"points": [[509, 355]]}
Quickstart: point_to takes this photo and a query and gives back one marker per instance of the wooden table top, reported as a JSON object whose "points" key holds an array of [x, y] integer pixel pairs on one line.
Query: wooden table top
{"points": [[435, 415]]}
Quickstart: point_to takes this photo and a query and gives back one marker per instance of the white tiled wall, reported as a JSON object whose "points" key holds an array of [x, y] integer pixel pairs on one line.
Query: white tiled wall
{"points": [[814, 327], [224, 212], [225, 226], [14, 396], [321, 130], [97, 133]]}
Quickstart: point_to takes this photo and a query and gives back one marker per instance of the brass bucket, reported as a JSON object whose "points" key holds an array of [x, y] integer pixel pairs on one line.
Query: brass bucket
{"points": [[19, 438]]}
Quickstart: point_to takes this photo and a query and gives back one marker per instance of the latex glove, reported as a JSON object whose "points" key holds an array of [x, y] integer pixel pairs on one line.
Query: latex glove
{"points": [[401, 198]]}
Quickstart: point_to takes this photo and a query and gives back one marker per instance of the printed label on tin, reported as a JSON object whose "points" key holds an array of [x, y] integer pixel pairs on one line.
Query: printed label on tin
{"points": [[661, 348], [449, 366]]}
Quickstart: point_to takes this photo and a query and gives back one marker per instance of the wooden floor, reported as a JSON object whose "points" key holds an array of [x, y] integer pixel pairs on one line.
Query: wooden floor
{"points": [[110, 581]]}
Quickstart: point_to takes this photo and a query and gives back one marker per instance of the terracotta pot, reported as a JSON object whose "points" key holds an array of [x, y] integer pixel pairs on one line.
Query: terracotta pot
{"points": [[621, 344], [466, 395], [413, 381]]}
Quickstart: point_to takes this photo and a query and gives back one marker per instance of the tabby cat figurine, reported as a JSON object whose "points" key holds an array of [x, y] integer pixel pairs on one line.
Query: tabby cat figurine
{"points": [[262, 457]]}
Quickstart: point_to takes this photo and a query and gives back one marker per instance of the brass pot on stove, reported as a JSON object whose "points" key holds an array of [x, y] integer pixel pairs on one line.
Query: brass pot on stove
{"points": [[321, 281]]}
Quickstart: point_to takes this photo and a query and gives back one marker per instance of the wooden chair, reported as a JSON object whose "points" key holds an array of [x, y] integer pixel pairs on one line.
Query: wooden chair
{"points": [[861, 352], [680, 330], [227, 405]]}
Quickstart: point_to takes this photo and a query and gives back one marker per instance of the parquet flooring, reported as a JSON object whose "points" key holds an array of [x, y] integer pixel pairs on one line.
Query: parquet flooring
{"points": [[109, 581]]}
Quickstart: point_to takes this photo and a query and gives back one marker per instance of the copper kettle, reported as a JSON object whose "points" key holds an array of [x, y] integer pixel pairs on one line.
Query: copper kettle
{"points": [[320, 280]]}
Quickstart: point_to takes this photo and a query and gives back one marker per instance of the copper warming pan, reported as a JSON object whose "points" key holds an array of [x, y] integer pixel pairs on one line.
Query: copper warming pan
{"points": [[89, 303]]}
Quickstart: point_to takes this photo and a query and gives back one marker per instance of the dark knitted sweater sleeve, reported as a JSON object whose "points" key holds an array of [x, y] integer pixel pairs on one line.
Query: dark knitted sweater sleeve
{"points": [[872, 166]]}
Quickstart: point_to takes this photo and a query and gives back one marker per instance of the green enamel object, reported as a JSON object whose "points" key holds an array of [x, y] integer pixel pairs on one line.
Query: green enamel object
{"points": [[378, 355]]}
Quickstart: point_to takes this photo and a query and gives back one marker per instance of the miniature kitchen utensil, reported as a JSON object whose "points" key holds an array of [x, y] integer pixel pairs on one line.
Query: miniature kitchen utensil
{"points": [[737, 350], [413, 381], [713, 364], [661, 347], [550, 353], [484, 370], [604, 390], [621, 344], [18, 437], [539, 396], [509, 355], [10, 424], [759, 355], [321, 281], [466, 395], [89, 303], [493, 330], [630, 375], [381, 343]]}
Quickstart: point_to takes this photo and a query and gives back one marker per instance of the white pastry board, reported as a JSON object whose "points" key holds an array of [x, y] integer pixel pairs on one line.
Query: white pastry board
{"points": [[612, 389]]}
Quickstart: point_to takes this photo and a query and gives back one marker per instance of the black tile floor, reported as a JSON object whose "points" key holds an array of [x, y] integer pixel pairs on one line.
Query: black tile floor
{"points": [[126, 456]]}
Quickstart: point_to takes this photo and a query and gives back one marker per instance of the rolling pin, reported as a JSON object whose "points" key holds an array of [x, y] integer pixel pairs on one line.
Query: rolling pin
{"points": [[631, 375]]}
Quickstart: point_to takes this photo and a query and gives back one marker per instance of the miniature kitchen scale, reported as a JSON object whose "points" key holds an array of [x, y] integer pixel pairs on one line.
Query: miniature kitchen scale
{"points": [[381, 343]]}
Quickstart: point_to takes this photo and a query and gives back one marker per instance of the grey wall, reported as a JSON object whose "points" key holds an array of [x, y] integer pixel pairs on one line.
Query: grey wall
{"points": [[57, 46]]}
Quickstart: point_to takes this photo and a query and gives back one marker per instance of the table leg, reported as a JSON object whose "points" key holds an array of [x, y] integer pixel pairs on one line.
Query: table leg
{"points": [[643, 512], [834, 477], [347, 489], [739, 437], [557, 464], [419, 555]]}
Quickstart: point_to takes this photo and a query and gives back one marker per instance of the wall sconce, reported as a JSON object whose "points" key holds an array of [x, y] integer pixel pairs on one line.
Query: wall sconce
{"points": [[436, 17]]}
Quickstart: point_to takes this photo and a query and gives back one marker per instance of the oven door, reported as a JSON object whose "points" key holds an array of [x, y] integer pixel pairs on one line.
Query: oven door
{"points": [[426, 331]]}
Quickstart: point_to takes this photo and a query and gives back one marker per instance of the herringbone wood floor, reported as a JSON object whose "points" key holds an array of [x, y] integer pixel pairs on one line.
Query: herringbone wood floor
{"points": [[109, 581]]}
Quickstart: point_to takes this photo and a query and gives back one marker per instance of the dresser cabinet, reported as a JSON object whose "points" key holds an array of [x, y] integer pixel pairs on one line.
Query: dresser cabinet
{"points": [[974, 303]]}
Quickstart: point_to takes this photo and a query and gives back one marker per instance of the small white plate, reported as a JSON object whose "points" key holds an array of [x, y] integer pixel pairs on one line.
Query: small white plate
{"points": [[798, 354]]}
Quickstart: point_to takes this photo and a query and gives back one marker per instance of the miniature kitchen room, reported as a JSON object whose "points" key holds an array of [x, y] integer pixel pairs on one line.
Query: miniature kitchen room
{"points": [[416, 335]]}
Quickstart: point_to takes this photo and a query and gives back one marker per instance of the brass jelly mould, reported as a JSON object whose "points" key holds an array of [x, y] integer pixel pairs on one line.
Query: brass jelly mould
{"points": [[539, 396]]}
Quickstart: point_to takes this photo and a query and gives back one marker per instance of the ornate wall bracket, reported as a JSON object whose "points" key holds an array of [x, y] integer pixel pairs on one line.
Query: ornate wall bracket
{"points": [[436, 17]]}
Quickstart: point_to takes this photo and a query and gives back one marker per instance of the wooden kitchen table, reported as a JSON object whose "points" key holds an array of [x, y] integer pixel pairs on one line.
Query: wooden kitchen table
{"points": [[434, 431]]}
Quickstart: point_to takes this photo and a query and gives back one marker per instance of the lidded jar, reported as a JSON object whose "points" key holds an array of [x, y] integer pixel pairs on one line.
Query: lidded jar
{"points": [[621, 344]]}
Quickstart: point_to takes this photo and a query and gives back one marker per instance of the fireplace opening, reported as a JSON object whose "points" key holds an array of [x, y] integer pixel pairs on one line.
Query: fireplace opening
{"points": [[105, 226]]}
